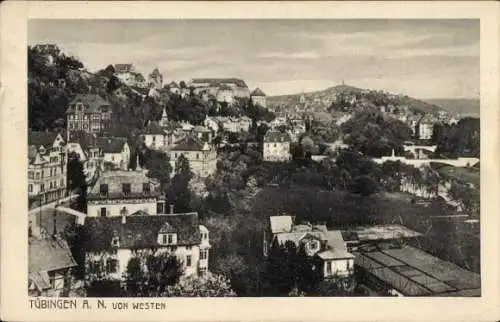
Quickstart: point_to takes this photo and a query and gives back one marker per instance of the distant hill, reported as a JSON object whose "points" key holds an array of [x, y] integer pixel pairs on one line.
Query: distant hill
{"points": [[323, 98], [463, 106]]}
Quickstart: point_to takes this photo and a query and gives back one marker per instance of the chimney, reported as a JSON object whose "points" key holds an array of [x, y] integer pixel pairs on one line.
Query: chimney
{"points": [[171, 208]]}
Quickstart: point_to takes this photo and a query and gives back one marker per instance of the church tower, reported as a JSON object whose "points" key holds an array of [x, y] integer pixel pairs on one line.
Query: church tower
{"points": [[164, 118]]}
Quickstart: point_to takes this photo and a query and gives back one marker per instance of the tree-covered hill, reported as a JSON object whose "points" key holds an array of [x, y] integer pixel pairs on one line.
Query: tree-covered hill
{"points": [[349, 96]]}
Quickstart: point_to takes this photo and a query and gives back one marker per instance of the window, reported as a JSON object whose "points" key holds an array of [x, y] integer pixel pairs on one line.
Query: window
{"points": [[111, 265], [30, 188], [103, 189], [42, 187], [62, 182], [188, 260], [313, 245], [37, 175], [103, 212], [43, 173], [203, 271], [154, 138], [50, 173], [204, 254], [188, 247], [328, 267], [126, 188], [30, 174], [146, 188], [197, 156], [112, 158], [274, 145], [170, 239]]}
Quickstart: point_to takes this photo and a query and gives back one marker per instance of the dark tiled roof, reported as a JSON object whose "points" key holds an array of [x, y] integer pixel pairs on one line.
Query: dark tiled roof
{"points": [[41, 138], [85, 140], [258, 92], [111, 144], [153, 128], [189, 143], [224, 87], [238, 82], [92, 103], [139, 231], [276, 136], [48, 255]]}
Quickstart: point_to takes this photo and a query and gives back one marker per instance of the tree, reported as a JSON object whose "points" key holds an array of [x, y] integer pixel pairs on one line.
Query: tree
{"points": [[375, 134], [150, 275], [182, 84], [180, 184], [76, 180], [204, 286], [74, 236], [159, 168]]}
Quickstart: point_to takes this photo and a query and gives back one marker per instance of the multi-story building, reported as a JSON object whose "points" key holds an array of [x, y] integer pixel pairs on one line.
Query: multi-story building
{"points": [[238, 86], [113, 241], [49, 266], [258, 97], [276, 146], [326, 245], [201, 156], [85, 146], [88, 113], [174, 88], [225, 94], [115, 152], [46, 167], [155, 137], [426, 127], [118, 193], [234, 124]]}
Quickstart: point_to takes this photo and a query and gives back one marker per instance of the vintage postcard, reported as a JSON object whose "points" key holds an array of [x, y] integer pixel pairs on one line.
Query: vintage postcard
{"points": [[250, 161]]}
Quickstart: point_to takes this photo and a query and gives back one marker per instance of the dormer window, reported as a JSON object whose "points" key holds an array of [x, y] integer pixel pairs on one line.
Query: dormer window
{"points": [[167, 239], [79, 107], [126, 189], [103, 189]]}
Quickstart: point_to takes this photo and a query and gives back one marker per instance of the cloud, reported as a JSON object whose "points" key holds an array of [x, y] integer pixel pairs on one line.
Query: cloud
{"points": [[417, 57]]}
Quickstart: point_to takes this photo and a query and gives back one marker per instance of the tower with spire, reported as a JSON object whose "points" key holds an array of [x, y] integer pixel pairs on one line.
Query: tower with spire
{"points": [[164, 118], [138, 164]]}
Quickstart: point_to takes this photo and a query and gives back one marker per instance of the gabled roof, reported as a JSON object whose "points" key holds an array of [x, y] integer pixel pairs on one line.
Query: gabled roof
{"points": [[92, 103], [139, 231], [112, 144], [49, 254], [45, 139], [86, 140], [153, 128], [189, 143], [258, 92], [276, 136]]}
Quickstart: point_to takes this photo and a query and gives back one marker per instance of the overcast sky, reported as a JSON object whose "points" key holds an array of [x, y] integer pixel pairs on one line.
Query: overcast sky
{"points": [[420, 58]]}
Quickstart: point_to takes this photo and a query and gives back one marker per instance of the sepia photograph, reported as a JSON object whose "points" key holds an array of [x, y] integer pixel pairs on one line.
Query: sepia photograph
{"points": [[253, 158]]}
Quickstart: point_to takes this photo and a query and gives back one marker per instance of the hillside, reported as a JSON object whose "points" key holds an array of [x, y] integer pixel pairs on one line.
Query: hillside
{"points": [[462, 106], [350, 96]]}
